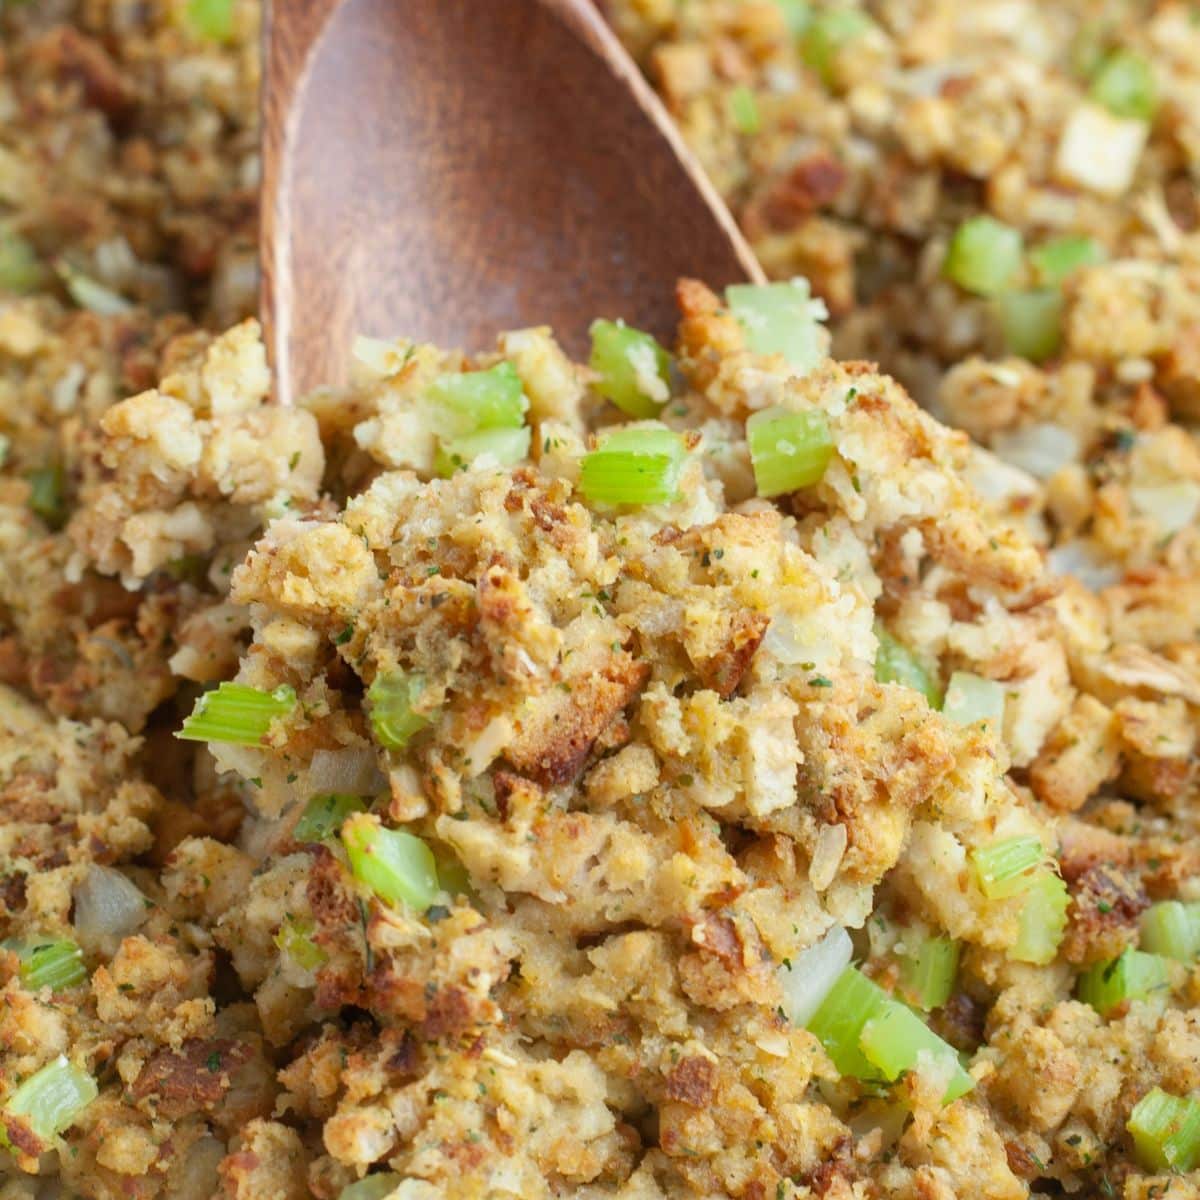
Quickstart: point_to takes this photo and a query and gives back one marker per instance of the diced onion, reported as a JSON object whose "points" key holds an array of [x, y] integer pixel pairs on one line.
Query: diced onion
{"points": [[107, 905], [1042, 449], [808, 979], [353, 771]]}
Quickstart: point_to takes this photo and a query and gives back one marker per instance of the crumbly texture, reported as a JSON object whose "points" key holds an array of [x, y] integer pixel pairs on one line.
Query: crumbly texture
{"points": [[656, 765]]}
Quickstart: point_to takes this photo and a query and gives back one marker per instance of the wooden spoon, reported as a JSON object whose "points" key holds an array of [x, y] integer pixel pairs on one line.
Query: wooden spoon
{"points": [[445, 169]]}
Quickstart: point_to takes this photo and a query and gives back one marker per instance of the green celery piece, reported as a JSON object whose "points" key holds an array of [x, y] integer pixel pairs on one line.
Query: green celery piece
{"points": [[838, 1023], [1166, 1132], [971, 699], [896, 663], [778, 318], [1054, 261], [466, 402], [295, 939], [393, 696], [397, 866], [507, 446], [52, 1099], [1132, 976], [1007, 867], [323, 816], [743, 110], [211, 19], [1043, 919], [47, 497], [634, 466], [20, 270], [634, 370], [895, 1041], [983, 256], [237, 714], [796, 13], [928, 970], [53, 963], [1031, 323], [1124, 83], [788, 450], [1169, 929], [825, 35], [372, 1187]]}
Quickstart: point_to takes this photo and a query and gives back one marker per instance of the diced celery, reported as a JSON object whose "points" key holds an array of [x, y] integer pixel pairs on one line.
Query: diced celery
{"points": [[983, 256], [634, 466], [788, 450], [93, 296], [1008, 866], [397, 866], [1170, 929], [634, 370], [211, 19], [20, 270], [1055, 260], [896, 1040], [52, 1099], [469, 401], [323, 816], [796, 13], [971, 699], [1124, 84], [393, 697], [295, 939], [779, 318], [896, 663], [1043, 919], [46, 495], [1166, 1132], [1031, 323], [838, 1023], [56, 964], [743, 110], [806, 980], [372, 1187], [237, 714], [506, 446], [825, 35], [928, 966], [1133, 976]]}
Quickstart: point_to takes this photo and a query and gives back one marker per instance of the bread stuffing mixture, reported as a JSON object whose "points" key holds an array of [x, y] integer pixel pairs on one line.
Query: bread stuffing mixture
{"points": [[695, 772]]}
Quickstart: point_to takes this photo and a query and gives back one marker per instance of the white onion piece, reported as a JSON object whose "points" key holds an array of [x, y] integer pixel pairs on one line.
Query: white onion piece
{"points": [[1042, 449], [107, 906], [1172, 506], [1081, 561], [353, 772], [812, 975]]}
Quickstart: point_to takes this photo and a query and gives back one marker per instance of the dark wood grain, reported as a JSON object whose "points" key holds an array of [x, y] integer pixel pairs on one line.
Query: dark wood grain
{"points": [[449, 168]]}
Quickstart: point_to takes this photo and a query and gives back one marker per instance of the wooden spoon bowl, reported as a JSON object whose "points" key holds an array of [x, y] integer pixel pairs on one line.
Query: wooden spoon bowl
{"points": [[446, 169]]}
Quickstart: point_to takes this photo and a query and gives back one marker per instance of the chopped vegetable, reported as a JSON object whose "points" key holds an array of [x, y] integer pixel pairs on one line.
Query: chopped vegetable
{"points": [[20, 270], [779, 318], [971, 699], [1055, 260], [1124, 84], [238, 714], [397, 866], [634, 466], [107, 906], [56, 964], [807, 979], [1166, 1132], [1133, 976], [634, 370], [93, 296], [743, 110], [983, 256], [1007, 867], [788, 450], [1031, 323], [838, 1023], [1171, 929], [470, 401], [896, 663], [825, 35], [796, 13], [896, 1040], [1043, 919], [506, 446], [393, 697], [372, 1187], [52, 1099], [323, 816], [46, 495], [211, 19], [295, 939], [928, 966]]}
